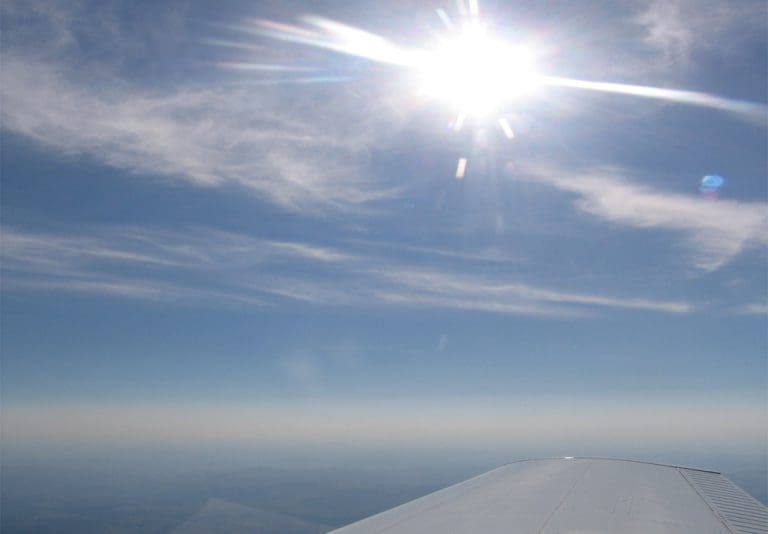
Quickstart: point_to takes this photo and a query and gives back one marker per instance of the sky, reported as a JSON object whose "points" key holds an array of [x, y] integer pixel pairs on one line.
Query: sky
{"points": [[236, 225]]}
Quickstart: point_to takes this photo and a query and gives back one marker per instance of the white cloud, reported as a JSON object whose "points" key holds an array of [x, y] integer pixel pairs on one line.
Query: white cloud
{"points": [[52, 21], [225, 135], [756, 308], [716, 231], [472, 302], [135, 263], [310, 252], [111, 286], [235, 268], [197, 247], [424, 286], [381, 283], [301, 150], [679, 29]]}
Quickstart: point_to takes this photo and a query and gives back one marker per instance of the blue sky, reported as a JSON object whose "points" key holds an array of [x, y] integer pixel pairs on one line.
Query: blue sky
{"points": [[182, 237]]}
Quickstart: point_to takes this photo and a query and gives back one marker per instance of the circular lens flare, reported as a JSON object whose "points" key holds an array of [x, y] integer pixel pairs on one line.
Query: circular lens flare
{"points": [[476, 73], [712, 182]]}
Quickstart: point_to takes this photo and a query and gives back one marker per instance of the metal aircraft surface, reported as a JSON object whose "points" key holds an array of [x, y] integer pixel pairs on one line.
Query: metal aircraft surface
{"points": [[579, 495]]}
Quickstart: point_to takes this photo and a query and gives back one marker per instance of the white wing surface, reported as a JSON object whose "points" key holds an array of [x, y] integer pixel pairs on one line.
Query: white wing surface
{"points": [[579, 495]]}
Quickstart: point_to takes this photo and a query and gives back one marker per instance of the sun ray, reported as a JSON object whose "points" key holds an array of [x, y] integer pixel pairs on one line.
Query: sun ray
{"points": [[234, 44], [304, 80], [234, 65], [506, 128], [474, 8], [470, 65], [478, 75], [458, 124], [461, 168], [445, 18], [691, 98], [473, 55]]}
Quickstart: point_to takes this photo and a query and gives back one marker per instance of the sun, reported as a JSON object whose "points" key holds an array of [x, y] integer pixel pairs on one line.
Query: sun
{"points": [[476, 73]]}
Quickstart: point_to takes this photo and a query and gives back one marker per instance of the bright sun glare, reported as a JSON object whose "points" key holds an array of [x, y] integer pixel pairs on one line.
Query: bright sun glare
{"points": [[470, 70], [476, 73]]}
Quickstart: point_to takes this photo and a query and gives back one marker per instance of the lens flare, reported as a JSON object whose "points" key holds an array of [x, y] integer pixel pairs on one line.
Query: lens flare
{"points": [[461, 168], [712, 181], [711, 185], [472, 70], [506, 128], [468, 69], [752, 110]]}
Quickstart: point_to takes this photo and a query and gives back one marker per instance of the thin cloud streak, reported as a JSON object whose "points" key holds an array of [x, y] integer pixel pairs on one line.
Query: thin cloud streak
{"points": [[716, 231], [279, 144], [757, 308], [134, 289], [206, 264], [305, 157], [463, 286], [136, 245], [94, 265], [475, 303], [208, 137]]}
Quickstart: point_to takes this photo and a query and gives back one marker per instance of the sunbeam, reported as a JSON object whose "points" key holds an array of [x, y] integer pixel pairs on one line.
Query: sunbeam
{"points": [[691, 98], [478, 75]]}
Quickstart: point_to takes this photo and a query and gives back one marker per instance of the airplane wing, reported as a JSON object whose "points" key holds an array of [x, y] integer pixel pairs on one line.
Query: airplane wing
{"points": [[578, 495]]}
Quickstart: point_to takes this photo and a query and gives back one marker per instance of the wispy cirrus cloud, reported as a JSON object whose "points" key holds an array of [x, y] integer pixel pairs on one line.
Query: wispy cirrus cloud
{"points": [[235, 268], [755, 308], [679, 29], [138, 263], [301, 148], [147, 290], [33, 252], [438, 285], [237, 135], [715, 231]]}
